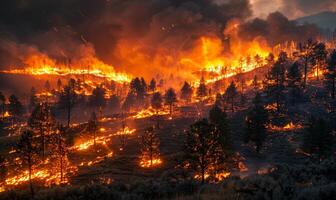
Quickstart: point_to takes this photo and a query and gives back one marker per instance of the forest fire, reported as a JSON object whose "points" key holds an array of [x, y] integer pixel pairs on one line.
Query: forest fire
{"points": [[288, 127], [145, 163]]}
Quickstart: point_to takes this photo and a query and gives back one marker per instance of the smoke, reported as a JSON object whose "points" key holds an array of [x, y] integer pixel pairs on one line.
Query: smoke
{"points": [[140, 37], [277, 29]]}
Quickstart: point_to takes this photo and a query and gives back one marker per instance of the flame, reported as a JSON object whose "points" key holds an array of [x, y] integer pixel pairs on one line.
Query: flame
{"points": [[145, 163], [6, 114], [149, 112], [288, 127]]}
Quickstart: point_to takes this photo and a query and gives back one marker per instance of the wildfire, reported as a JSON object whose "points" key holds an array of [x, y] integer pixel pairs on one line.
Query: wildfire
{"points": [[126, 131], [145, 113], [288, 127], [150, 163], [6, 114], [219, 176]]}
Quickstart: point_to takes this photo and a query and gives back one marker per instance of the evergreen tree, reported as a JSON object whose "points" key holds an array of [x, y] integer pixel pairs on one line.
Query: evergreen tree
{"points": [[33, 99], [156, 103], [202, 90], [256, 122], [330, 75], [294, 82], [219, 119], [205, 148], [318, 138], [306, 55], [60, 152], [319, 57], [275, 84], [138, 88], [129, 102], [186, 92], [42, 122], [97, 99], [68, 99], [15, 106], [152, 85], [170, 99], [93, 127], [150, 146], [231, 95], [28, 152]]}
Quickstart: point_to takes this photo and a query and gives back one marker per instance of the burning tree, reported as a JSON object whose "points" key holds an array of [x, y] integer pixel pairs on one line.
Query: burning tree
{"points": [[60, 152], [28, 152], [330, 75], [150, 154], [67, 99], [231, 95], [186, 92], [319, 57], [205, 148], [138, 87], [256, 123], [306, 53], [41, 121], [156, 103], [318, 138], [92, 127], [170, 99]]}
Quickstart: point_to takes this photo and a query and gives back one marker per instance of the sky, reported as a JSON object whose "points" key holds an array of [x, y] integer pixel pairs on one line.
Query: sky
{"points": [[291, 8]]}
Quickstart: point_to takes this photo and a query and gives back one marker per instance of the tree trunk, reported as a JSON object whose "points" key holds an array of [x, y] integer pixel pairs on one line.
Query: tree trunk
{"points": [[30, 180], [157, 120], [69, 115]]}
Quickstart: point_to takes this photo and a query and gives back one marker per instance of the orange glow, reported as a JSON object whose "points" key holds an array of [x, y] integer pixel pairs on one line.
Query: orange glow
{"points": [[6, 114], [288, 127], [145, 113], [150, 163]]}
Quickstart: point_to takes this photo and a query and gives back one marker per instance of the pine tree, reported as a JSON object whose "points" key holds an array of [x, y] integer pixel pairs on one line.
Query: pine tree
{"points": [[170, 99], [330, 75], [275, 84], [318, 138], [231, 95], [219, 119], [152, 85], [15, 107], [256, 122], [186, 92], [294, 82], [205, 148], [33, 99], [202, 90], [150, 147], [129, 102], [156, 103], [42, 122], [97, 99], [68, 99], [60, 152], [306, 55], [28, 152], [319, 57]]}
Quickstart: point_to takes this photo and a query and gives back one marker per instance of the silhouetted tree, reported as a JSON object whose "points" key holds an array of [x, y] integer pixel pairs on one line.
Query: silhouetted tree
{"points": [[330, 75], [205, 147], [15, 107], [231, 95], [275, 84], [33, 99], [170, 99], [150, 146], [202, 90], [186, 92], [319, 56], [156, 103], [42, 122], [129, 102], [97, 99], [318, 138], [294, 82], [152, 85], [59, 85], [256, 122], [306, 54], [93, 127], [138, 88], [28, 152], [68, 99], [219, 119], [60, 151], [219, 100], [47, 86]]}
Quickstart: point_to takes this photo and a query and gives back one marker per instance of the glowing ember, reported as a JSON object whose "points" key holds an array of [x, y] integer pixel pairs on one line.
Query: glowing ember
{"points": [[6, 114], [288, 127], [150, 163], [149, 113]]}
